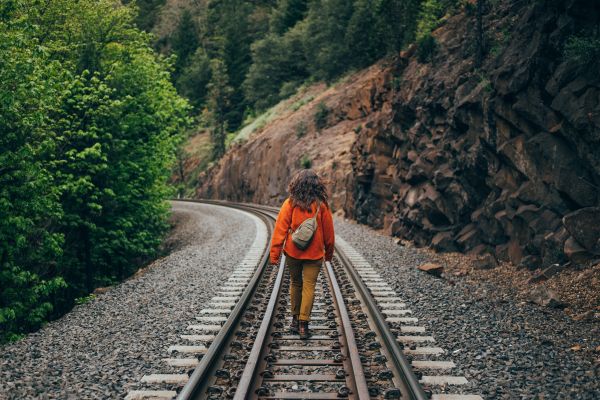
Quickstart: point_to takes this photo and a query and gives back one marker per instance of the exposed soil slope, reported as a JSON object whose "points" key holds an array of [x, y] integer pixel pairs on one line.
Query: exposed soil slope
{"points": [[500, 159]]}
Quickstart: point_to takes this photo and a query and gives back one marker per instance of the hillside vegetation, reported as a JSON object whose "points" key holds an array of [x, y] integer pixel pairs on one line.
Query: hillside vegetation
{"points": [[236, 59], [89, 123]]}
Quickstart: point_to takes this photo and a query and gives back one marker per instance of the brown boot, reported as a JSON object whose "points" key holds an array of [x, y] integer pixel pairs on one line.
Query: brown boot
{"points": [[303, 330], [294, 325]]}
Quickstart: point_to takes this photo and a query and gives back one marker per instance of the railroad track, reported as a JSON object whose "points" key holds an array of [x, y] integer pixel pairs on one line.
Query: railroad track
{"points": [[243, 348]]}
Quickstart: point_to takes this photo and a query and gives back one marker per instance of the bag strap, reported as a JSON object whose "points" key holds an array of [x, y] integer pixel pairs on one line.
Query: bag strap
{"points": [[318, 208]]}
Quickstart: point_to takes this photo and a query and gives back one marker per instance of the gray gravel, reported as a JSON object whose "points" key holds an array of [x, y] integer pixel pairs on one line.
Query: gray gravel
{"points": [[101, 349], [506, 349]]}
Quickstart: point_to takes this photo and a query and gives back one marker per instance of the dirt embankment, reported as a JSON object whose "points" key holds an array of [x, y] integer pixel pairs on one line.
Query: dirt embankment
{"points": [[499, 159]]}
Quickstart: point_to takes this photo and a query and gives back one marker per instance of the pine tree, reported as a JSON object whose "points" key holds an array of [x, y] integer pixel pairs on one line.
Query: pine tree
{"points": [[230, 37], [397, 22], [362, 36], [193, 79], [218, 101], [326, 47], [185, 40], [148, 11], [286, 14]]}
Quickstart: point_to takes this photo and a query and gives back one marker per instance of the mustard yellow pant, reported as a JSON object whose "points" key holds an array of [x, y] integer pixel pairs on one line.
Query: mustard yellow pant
{"points": [[303, 278]]}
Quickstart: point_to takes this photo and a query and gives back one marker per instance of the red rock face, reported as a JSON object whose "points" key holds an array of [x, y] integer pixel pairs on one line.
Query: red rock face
{"points": [[259, 170], [481, 160]]}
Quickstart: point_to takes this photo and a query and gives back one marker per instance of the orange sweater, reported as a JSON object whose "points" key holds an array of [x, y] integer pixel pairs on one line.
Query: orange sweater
{"points": [[290, 218]]}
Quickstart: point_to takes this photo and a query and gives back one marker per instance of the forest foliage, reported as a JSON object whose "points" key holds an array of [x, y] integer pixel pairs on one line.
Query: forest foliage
{"points": [[89, 122], [269, 48]]}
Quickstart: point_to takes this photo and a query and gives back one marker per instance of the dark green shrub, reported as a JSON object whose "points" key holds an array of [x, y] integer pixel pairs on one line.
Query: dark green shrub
{"points": [[426, 47], [305, 162], [470, 8], [583, 50], [301, 129], [321, 115]]}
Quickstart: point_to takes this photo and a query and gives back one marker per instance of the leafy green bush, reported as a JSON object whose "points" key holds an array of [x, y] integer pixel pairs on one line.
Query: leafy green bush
{"points": [[429, 17], [305, 162], [426, 47], [85, 299], [321, 115], [288, 89], [301, 129], [84, 161]]}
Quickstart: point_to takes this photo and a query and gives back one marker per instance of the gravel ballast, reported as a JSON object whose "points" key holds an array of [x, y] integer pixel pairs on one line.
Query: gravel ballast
{"points": [[507, 349], [102, 348]]}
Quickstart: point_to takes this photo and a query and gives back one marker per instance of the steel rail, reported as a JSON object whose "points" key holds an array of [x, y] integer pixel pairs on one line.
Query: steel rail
{"points": [[200, 378], [412, 387], [357, 374], [248, 378]]}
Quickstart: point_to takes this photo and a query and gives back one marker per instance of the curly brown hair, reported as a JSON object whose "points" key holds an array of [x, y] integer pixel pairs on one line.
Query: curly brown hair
{"points": [[305, 188]]}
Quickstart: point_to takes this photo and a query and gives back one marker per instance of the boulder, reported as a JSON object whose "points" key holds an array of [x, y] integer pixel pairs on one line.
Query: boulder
{"points": [[468, 237], [480, 250], [575, 252], [584, 227], [527, 212], [547, 221], [443, 176], [515, 253], [443, 241], [502, 252], [419, 171], [434, 269], [530, 262], [486, 261], [531, 106], [573, 101], [558, 165], [547, 273], [546, 297]]}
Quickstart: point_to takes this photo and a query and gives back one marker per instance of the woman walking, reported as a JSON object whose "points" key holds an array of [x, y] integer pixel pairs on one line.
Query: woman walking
{"points": [[307, 199]]}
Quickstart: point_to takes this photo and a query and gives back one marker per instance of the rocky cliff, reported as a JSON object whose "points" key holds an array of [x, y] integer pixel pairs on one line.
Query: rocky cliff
{"points": [[503, 158]]}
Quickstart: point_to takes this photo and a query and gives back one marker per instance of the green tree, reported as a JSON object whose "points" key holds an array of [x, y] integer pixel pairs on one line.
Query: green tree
{"points": [[194, 78], [276, 61], [148, 11], [219, 95], [397, 22], [479, 34], [429, 17], [363, 38], [286, 14], [185, 41], [83, 162], [325, 44], [231, 36], [29, 206]]}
